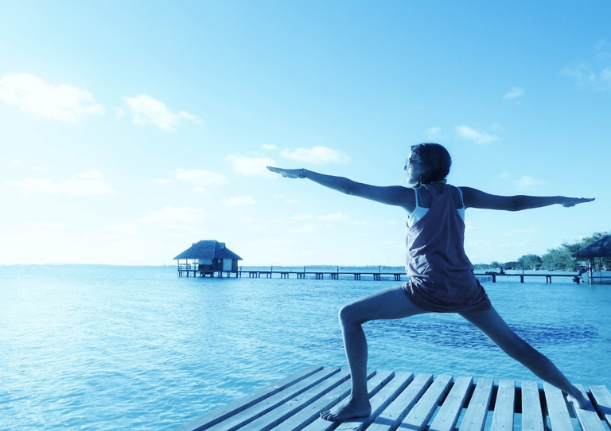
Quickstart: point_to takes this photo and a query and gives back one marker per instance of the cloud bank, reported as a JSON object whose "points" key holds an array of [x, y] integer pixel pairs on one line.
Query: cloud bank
{"points": [[88, 184], [63, 103], [146, 110], [476, 136]]}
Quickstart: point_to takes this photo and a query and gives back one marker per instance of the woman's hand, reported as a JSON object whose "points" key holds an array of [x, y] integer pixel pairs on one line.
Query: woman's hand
{"points": [[288, 173], [571, 202]]}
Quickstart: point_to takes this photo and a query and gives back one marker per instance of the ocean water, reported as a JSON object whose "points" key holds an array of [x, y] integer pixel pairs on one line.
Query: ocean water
{"points": [[108, 347]]}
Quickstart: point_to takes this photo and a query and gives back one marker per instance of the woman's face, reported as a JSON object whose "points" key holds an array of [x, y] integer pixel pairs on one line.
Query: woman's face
{"points": [[414, 168]]}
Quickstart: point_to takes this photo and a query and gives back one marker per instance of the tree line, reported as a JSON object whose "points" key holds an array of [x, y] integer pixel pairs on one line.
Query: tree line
{"points": [[556, 259]]}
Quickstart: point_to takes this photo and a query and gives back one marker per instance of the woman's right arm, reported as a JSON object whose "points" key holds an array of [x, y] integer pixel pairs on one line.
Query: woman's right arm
{"points": [[393, 195], [474, 198]]}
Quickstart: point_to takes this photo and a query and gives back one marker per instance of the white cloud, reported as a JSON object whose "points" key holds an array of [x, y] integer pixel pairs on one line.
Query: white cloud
{"points": [[586, 76], [476, 136], [527, 183], [122, 229], [300, 217], [286, 199], [173, 217], [251, 166], [146, 110], [514, 93], [432, 132], [239, 201], [596, 76], [583, 74], [334, 217], [308, 228], [34, 229], [163, 181], [201, 177], [63, 103], [88, 184], [315, 155]]}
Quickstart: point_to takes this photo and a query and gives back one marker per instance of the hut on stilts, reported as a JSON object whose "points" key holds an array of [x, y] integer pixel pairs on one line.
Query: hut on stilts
{"points": [[207, 258], [600, 248]]}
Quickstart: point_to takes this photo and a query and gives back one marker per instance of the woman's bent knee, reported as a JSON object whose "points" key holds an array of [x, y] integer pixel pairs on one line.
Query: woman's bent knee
{"points": [[349, 315]]}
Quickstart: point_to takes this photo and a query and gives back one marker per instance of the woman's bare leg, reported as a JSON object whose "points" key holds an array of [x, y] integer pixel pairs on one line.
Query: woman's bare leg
{"points": [[390, 303], [493, 325]]}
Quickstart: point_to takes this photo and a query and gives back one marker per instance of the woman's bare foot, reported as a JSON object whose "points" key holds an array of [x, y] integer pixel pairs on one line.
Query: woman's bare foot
{"points": [[578, 402], [348, 410]]}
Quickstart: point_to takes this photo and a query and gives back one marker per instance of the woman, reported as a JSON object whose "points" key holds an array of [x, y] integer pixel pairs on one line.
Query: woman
{"points": [[441, 276]]}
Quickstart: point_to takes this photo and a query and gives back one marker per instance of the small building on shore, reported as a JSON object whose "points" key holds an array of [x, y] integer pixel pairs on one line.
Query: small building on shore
{"points": [[207, 258], [600, 248]]}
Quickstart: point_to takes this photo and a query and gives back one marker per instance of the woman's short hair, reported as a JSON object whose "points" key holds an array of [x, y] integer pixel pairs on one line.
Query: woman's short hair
{"points": [[436, 159]]}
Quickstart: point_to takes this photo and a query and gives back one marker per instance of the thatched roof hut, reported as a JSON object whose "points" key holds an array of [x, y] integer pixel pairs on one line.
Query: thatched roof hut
{"points": [[207, 257], [600, 248]]}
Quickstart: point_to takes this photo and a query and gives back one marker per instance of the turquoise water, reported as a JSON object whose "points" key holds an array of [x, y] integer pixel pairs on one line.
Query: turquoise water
{"points": [[106, 348]]}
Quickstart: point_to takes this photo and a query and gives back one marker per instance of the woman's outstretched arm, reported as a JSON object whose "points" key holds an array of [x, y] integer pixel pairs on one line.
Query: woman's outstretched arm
{"points": [[474, 198], [393, 195]]}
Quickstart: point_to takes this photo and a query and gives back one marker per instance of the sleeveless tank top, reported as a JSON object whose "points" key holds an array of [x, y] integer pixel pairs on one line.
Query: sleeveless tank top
{"points": [[420, 212], [441, 275]]}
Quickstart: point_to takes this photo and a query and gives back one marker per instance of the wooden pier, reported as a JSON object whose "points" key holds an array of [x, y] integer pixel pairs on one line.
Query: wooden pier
{"points": [[408, 401], [188, 271]]}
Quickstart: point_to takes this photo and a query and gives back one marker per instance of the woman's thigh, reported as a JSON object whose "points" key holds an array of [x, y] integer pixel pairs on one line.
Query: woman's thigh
{"points": [[492, 324], [391, 303]]}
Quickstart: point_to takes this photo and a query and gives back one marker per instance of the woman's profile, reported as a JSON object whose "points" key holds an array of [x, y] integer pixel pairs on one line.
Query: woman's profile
{"points": [[441, 278]]}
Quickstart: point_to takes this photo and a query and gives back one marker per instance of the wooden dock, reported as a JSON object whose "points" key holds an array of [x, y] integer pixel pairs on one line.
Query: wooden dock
{"points": [[408, 401], [336, 275]]}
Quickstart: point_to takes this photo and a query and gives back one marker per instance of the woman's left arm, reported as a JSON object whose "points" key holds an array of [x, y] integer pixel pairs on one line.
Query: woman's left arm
{"points": [[474, 198], [391, 195]]}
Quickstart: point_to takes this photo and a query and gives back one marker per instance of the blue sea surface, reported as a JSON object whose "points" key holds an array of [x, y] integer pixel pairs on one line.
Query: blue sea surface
{"points": [[110, 347]]}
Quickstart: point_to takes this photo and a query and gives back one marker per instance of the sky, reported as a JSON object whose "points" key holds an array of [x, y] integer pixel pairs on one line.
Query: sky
{"points": [[130, 130]]}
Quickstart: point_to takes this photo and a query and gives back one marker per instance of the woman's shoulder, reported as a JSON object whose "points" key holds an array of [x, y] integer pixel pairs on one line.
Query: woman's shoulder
{"points": [[457, 195]]}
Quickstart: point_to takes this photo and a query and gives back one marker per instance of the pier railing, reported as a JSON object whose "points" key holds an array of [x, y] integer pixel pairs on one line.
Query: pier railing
{"points": [[320, 274]]}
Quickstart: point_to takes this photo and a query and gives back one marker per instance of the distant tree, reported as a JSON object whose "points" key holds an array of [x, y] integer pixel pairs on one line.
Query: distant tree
{"points": [[555, 259], [529, 261], [558, 259]]}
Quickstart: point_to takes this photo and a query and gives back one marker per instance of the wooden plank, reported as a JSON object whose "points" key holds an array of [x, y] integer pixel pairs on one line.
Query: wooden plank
{"points": [[557, 409], [280, 414], [390, 418], [602, 398], [418, 418], [380, 401], [502, 419], [243, 403], [532, 414], [588, 418], [475, 416], [373, 386], [248, 415], [452, 406], [312, 412]]}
